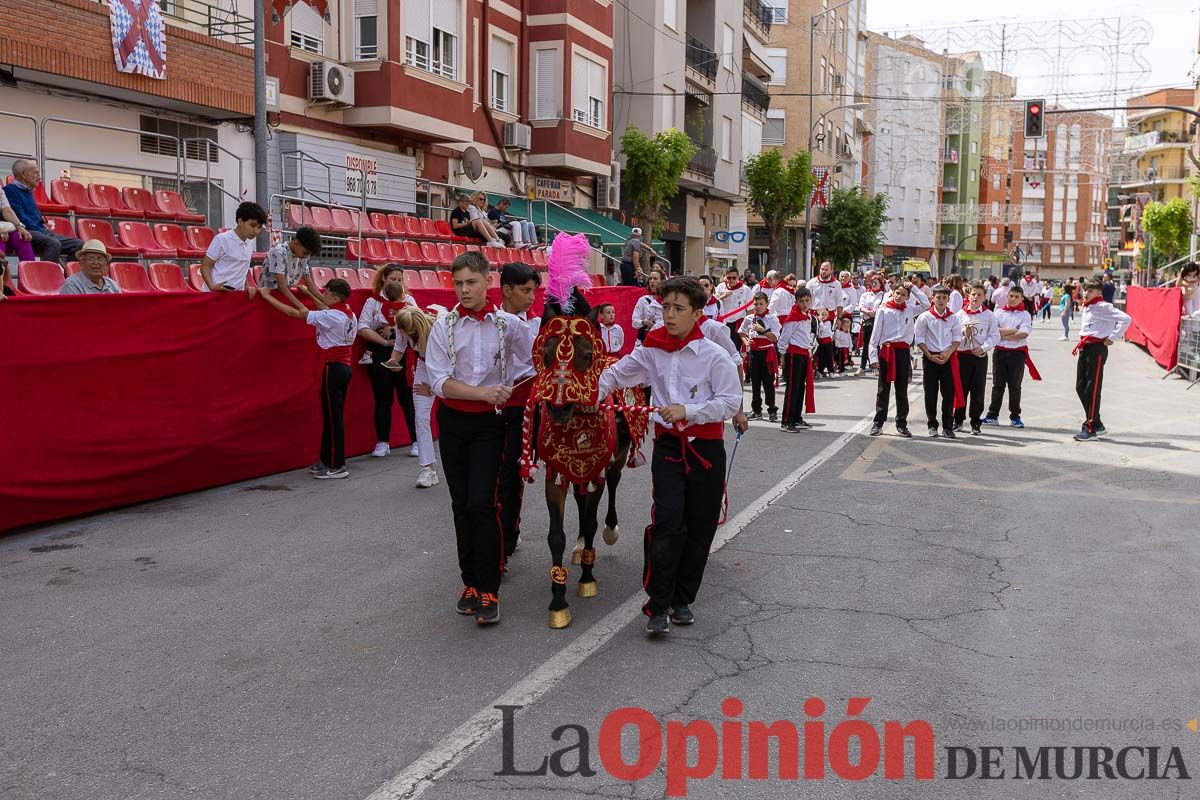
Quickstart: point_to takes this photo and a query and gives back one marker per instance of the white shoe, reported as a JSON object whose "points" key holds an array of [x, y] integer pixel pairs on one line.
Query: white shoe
{"points": [[332, 475], [366, 358], [428, 478], [496, 243], [1062, 338], [414, 451], [381, 449]]}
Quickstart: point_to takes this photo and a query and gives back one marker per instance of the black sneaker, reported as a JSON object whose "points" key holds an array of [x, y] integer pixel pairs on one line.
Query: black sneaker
{"points": [[783, 426], [933, 431], [876, 429], [773, 417], [791, 428], [1085, 435], [657, 625], [958, 427], [949, 433], [468, 601], [754, 415], [903, 431], [800, 423], [976, 430], [489, 609], [1100, 430], [682, 615]]}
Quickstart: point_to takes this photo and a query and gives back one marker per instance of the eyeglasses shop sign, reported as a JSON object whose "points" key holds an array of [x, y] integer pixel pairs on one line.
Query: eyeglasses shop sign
{"points": [[361, 172], [553, 189]]}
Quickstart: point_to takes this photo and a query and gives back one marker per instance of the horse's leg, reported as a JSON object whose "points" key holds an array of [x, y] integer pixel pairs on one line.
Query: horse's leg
{"points": [[612, 530], [589, 511], [556, 502]]}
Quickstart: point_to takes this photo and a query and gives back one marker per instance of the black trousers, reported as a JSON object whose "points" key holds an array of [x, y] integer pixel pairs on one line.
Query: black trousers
{"points": [[762, 381], [472, 444], [49, 246], [683, 520], [884, 390], [387, 385], [1008, 370], [628, 274], [733, 333], [972, 369], [938, 380], [335, 380], [868, 326], [825, 351], [1089, 382], [510, 490], [795, 367]]}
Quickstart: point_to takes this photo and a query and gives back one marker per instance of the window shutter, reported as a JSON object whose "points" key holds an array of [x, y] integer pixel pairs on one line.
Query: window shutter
{"points": [[366, 8], [579, 77], [500, 56], [307, 21], [416, 19], [444, 15], [546, 92]]}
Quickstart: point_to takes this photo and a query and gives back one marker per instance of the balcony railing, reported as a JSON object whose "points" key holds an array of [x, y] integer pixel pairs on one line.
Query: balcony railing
{"points": [[1148, 140], [1160, 175], [759, 15], [210, 19], [947, 240], [701, 58], [704, 161], [950, 184], [755, 94], [950, 156]]}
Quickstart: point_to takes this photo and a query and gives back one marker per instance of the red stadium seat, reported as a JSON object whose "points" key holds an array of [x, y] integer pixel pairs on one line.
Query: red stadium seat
{"points": [[380, 221], [60, 226], [350, 276], [517, 255], [195, 279], [430, 279], [493, 280], [446, 232], [322, 276], [75, 195], [415, 257], [314, 217], [368, 228], [396, 226], [597, 279], [172, 237], [137, 234], [168, 278], [101, 194], [342, 223], [430, 253], [72, 268], [172, 203], [100, 229], [495, 255], [412, 228], [199, 237], [43, 201], [473, 248], [429, 231], [142, 200], [395, 250], [366, 278], [445, 255], [412, 280], [447, 279], [129, 276], [538, 258], [358, 250], [39, 277], [377, 251]]}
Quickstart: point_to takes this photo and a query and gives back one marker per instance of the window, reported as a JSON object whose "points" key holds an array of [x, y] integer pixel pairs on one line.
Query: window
{"points": [[900, 224], [194, 150], [774, 129], [546, 93], [823, 74], [727, 47], [779, 11], [777, 58], [900, 193], [916, 195], [917, 225], [1069, 253], [993, 236], [671, 14], [308, 29], [431, 36], [995, 208], [995, 180], [500, 57], [589, 88], [726, 139], [668, 109], [366, 30], [996, 154], [974, 176], [974, 147]]}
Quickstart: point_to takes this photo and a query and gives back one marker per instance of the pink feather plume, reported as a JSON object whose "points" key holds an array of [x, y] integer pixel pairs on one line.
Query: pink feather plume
{"points": [[567, 267]]}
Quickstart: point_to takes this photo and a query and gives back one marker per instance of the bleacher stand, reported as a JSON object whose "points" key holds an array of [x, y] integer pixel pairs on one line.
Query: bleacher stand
{"points": [[92, 277], [23, 200]]}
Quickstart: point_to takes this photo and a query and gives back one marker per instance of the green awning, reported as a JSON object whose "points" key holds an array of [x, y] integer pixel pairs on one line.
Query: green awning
{"points": [[601, 230]]}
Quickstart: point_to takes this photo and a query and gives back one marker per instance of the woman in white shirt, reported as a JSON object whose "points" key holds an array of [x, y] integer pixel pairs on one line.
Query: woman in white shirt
{"points": [[648, 311], [873, 295], [376, 330]]}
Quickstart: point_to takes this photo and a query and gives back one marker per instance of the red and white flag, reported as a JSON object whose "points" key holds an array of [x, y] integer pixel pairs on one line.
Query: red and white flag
{"points": [[139, 37]]}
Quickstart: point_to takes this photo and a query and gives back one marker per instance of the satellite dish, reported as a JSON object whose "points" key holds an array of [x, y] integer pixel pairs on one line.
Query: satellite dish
{"points": [[472, 164]]}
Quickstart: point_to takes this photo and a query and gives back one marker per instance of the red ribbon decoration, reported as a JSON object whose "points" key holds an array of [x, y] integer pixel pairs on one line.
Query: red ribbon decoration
{"points": [[1084, 341], [1033, 373], [810, 394], [960, 400], [888, 356]]}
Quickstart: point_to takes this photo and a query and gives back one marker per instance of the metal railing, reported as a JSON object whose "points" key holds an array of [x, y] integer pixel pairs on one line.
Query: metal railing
{"points": [[755, 94], [701, 58], [210, 19], [760, 15], [14, 153], [209, 183], [704, 161]]}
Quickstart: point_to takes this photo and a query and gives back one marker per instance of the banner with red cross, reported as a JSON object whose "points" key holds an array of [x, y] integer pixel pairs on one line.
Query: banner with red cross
{"points": [[820, 195], [139, 37]]}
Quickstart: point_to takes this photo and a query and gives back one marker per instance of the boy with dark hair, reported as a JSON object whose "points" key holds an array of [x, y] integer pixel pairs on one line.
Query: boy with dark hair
{"points": [[226, 263], [825, 346], [1011, 358], [695, 385], [1101, 324], [337, 328], [979, 336], [891, 340], [518, 282], [761, 332], [612, 333], [468, 359], [938, 333], [286, 265], [736, 299], [712, 306], [796, 346]]}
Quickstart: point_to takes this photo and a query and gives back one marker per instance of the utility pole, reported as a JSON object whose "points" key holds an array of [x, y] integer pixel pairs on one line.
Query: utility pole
{"points": [[260, 116]]}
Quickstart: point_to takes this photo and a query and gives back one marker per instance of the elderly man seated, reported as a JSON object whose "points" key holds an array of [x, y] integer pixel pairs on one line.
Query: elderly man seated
{"points": [[47, 245], [92, 277]]}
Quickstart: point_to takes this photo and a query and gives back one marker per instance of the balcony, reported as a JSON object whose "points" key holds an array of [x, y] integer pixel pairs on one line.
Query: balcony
{"points": [[700, 58], [947, 240], [1162, 175], [950, 183], [755, 95], [704, 162], [758, 18], [209, 19], [1151, 140], [950, 156]]}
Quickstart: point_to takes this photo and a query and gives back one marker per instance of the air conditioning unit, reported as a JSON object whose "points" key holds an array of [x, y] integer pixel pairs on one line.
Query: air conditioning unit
{"points": [[331, 82], [517, 136], [608, 189]]}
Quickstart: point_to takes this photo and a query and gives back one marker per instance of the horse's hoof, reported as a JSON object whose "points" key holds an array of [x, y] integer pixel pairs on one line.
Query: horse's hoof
{"points": [[560, 618], [611, 534], [589, 589], [578, 549]]}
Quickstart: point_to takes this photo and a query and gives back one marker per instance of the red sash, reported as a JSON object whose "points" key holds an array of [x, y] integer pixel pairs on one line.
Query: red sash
{"points": [[709, 430], [960, 400], [736, 311], [888, 356], [1084, 341], [761, 343], [810, 395], [1033, 373], [520, 394], [337, 355], [468, 406], [824, 340]]}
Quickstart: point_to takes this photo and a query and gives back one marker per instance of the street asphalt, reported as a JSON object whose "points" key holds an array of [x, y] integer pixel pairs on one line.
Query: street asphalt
{"points": [[293, 639]]}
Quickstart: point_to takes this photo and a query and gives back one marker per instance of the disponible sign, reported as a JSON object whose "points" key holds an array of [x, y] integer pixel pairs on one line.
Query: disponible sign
{"points": [[553, 189], [362, 174]]}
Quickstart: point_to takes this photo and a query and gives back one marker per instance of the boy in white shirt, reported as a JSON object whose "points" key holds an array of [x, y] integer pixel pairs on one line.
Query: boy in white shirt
{"points": [[1011, 358], [734, 295], [612, 333], [938, 333], [843, 343], [979, 336], [227, 260], [1102, 323], [891, 341], [761, 331], [796, 347], [695, 385]]}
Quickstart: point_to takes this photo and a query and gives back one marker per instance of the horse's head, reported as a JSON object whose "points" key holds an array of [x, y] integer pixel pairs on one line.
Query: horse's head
{"points": [[570, 359]]}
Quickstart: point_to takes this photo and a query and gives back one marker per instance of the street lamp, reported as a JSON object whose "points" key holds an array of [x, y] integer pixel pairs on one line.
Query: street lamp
{"points": [[856, 106]]}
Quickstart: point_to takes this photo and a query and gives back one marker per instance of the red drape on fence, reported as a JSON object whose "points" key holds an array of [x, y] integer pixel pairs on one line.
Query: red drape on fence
{"points": [[1156, 316], [116, 399]]}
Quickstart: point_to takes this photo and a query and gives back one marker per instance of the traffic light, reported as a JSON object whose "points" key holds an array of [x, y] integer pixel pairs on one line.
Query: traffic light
{"points": [[1035, 119]]}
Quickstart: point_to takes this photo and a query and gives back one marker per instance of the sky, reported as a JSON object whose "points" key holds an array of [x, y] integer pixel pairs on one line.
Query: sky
{"points": [[1174, 29]]}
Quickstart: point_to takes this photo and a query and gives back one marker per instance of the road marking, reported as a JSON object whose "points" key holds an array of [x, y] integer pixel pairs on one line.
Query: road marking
{"points": [[422, 773]]}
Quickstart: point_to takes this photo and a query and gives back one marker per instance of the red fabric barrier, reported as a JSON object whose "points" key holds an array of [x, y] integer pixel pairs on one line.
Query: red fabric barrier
{"points": [[1156, 317], [117, 399]]}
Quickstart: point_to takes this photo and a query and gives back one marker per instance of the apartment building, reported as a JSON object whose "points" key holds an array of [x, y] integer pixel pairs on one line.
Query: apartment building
{"points": [[986, 253], [1158, 141], [1062, 194]]}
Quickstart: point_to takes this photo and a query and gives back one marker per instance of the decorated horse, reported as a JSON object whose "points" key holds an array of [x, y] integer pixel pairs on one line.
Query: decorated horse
{"points": [[583, 443]]}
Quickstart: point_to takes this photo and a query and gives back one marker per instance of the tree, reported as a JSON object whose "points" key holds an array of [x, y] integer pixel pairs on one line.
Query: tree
{"points": [[1171, 226], [652, 170], [852, 226], [778, 192]]}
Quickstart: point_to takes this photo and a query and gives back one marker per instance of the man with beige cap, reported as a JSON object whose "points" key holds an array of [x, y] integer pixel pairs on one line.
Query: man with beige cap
{"points": [[92, 277]]}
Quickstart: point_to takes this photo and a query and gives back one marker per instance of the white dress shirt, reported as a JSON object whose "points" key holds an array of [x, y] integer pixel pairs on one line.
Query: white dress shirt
{"points": [[937, 333], [797, 333], [613, 336], [231, 259], [335, 328], [477, 350], [1103, 321], [842, 339], [718, 334], [1013, 318], [647, 311], [956, 301], [851, 294], [712, 309], [782, 300], [769, 321], [734, 298], [869, 302], [1031, 288], [891, 325], [827, 294], [979, 331], [520, 363]]}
